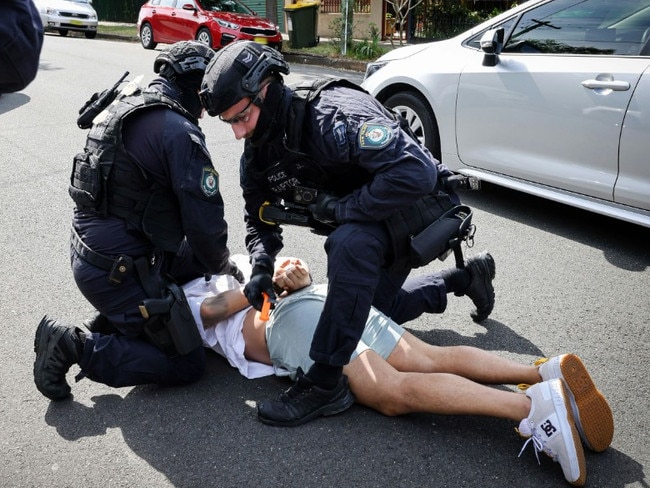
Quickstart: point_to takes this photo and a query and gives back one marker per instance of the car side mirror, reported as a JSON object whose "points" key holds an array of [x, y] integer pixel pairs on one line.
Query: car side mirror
{"points": [[492, 44]]}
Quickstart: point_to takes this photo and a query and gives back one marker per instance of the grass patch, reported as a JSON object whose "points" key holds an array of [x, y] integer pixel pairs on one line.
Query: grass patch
{"points": [[118, 30]]}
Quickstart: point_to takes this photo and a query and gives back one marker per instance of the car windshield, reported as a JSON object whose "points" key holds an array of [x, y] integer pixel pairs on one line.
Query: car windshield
{"points": [[226, 6]]}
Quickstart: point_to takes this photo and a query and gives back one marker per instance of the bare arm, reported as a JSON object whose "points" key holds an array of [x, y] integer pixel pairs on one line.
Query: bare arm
{"points": [[291, 275], [219, 307]]}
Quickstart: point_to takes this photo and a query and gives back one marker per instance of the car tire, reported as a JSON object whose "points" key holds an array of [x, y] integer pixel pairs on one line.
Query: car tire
{"points": [[204, 36], [146, 36], [413, 107], [90, 34], [63, 32]]}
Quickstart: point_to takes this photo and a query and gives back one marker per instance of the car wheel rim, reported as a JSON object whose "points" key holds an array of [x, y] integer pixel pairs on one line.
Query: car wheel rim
{"points": [[204, 38], [413, 119], [146, 36]]}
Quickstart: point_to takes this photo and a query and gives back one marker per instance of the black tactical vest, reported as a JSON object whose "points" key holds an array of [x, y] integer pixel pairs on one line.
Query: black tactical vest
{"points": [[107, 181], [294, 168]]}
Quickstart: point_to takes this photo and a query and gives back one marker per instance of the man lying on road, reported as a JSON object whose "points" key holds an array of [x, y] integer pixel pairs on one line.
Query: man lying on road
{"points": [[395, 373]]}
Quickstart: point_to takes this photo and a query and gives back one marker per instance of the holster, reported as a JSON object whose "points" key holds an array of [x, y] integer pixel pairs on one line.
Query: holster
{"points": [[441, 236], [170, 324], [430, 229]]}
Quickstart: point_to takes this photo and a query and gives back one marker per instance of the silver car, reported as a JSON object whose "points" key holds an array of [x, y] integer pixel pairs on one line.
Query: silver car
{"points": [[551, 97], [68, 15]]}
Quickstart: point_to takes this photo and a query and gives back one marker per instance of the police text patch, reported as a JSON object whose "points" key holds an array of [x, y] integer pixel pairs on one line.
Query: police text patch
{"points": [[374, 136], [340, 133], [209, 181]]}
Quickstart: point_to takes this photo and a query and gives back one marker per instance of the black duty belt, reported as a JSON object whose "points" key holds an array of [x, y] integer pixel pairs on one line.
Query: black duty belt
{"points": [[118, 267], [96, 259]]}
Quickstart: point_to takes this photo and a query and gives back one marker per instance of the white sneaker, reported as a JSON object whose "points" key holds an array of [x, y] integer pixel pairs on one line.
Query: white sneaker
{"points": [[551, 428], [591, 411]]}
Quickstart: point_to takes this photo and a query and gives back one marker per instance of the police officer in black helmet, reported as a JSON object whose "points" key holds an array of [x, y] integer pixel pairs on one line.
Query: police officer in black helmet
{"points": [[148, 216], [331, 147]]}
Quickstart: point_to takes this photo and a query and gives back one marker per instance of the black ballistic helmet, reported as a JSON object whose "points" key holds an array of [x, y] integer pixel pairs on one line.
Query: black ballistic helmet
{"points": [[236, 72], [183, 58]]}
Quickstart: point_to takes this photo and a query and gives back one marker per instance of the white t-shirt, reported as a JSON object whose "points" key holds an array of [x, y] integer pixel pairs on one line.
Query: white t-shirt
{"points": [[226, 337]]}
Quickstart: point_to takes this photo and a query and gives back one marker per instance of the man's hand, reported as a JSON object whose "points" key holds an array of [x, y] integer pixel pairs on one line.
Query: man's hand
{"points": [[261, 281], [324, 210], [232, 270], [291, 275]]}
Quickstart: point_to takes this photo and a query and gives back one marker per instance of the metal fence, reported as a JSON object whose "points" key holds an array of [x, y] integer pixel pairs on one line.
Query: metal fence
{"points": [[334, 6]]}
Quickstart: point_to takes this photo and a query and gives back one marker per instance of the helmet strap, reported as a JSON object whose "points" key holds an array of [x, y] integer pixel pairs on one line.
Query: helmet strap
{"points": [[271, 120]]}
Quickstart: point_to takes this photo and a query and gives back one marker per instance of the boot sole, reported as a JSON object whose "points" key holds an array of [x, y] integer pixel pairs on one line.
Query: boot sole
{"points": [[593, 415], [43, 345], [564, 402]]}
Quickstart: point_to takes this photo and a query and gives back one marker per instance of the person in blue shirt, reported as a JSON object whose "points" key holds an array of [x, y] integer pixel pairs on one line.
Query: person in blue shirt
{"points": [[148, 214], [21, 40]]}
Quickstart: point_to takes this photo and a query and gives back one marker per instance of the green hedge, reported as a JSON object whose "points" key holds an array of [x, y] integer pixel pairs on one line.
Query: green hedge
{"points": [[118, 10]]}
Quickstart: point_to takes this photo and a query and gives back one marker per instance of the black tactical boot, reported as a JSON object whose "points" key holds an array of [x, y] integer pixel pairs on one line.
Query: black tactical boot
{"points": [[57, 348], [482, 271], [304, 402]]}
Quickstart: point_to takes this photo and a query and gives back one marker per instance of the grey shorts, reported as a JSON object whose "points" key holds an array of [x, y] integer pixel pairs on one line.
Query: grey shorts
{"points": [[291, 327]]}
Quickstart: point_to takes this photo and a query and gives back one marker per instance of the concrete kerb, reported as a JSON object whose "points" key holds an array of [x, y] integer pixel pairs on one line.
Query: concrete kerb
{"points": [[290, 56]]}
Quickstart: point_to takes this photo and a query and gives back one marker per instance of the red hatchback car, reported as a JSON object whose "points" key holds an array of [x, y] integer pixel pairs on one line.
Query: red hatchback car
{"points": [[212, 22]]}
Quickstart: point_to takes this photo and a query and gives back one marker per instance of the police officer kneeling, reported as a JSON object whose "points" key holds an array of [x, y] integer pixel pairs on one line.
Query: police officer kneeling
{"points": [[148, 215], [369, 185]]}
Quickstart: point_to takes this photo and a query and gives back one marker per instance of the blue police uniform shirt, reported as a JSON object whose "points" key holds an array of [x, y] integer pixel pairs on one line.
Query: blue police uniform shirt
{"points": [[345, 131], [171, 150], [21, 40]]}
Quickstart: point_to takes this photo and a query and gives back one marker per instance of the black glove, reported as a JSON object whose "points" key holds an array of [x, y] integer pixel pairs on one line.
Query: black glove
{"points": [[324, 208], [232, 270], [261, 281]]}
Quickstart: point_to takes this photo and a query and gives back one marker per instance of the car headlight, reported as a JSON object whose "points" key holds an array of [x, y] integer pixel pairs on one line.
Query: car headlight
{"points": [[92, 16], [373, 67], [227, 25], [51, 11]]}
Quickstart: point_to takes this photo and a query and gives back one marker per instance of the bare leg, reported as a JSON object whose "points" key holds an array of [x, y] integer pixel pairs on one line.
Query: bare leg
{"points": [[378, 385], [412, 354]]}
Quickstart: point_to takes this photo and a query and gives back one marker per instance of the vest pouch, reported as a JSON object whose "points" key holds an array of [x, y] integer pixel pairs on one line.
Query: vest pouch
{"points": [[440, 236], [86, 181]]}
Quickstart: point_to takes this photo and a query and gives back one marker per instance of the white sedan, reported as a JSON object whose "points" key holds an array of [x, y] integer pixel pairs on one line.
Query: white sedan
{"points": [[68, 15], [551, 98]]}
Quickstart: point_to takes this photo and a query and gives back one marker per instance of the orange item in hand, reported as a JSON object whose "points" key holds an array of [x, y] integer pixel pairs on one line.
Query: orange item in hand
{"points": [[266, 307]]}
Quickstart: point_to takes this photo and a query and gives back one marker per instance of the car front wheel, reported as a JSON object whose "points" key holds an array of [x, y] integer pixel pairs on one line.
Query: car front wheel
{"points": [[63, 32], [204, 36], [90, 34], [415, 110], [146, 37]]}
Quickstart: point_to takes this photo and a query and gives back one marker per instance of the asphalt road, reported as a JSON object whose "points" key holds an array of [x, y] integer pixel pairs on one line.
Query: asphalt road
{"points": [[566, 281]]}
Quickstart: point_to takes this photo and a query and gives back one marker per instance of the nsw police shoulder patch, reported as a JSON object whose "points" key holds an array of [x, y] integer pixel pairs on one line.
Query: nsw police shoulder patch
{"points": [[209, 181], [374, 136]]}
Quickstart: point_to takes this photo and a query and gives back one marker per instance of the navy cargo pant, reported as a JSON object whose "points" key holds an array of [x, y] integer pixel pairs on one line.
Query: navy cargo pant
{"points": [[127, 358], [359, 256]]}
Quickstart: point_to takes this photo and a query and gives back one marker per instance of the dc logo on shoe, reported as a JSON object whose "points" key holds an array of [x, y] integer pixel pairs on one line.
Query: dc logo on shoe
{"points": [[548, 428]]}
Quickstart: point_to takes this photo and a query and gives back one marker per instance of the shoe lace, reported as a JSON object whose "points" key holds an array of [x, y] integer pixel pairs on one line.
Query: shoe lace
{"points": [[538, 362], [538, 445]]}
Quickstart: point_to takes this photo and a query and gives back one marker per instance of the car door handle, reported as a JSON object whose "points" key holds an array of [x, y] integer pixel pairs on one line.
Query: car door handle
{"points": [[606, 85]]}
